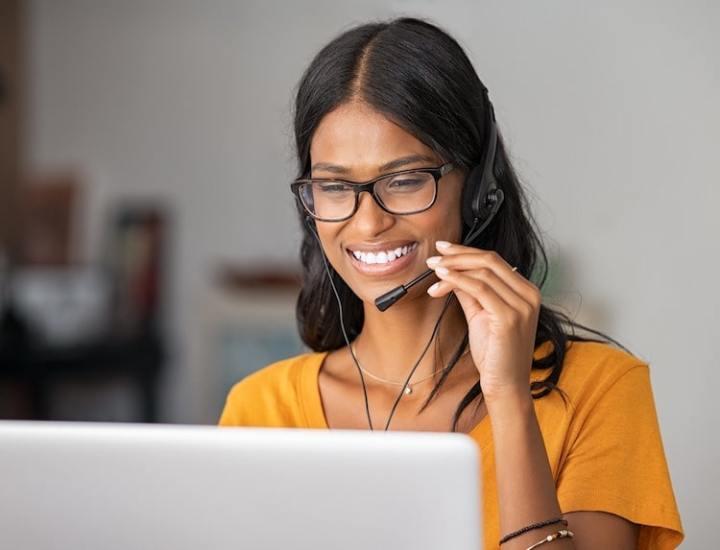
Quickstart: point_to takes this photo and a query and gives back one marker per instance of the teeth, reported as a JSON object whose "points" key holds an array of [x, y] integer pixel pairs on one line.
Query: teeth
{"points": [[383, 257]]}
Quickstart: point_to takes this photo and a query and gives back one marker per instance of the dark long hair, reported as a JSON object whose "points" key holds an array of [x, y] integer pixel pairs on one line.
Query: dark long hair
{"points": [[419, 77]]}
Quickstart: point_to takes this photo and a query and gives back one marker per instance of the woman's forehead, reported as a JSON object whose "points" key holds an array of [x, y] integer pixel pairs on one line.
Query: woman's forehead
{"points": [[355, 138]]}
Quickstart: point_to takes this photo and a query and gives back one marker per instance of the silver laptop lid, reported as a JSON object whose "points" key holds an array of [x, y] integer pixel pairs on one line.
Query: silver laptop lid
{"points": [[130, 486]]}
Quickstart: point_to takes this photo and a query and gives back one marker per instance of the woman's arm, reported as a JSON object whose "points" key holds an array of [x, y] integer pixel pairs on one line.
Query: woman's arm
{"points": [[502, 310], [526, 489], [601, 530]]}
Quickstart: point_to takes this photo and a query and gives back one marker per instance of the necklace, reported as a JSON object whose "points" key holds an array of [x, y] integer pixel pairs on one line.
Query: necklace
{"points": [[408, 389]]}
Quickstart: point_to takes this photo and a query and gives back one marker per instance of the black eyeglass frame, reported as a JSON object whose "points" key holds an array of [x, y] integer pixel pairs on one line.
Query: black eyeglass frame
{"points": [[369, 186]]}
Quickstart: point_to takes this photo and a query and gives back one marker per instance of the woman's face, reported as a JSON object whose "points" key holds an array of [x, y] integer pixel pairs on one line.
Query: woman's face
{"points": [[358, 141]]}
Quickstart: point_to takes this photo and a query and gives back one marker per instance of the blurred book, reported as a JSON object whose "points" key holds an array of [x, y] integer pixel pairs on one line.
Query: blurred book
{"points": [[137, 257]]}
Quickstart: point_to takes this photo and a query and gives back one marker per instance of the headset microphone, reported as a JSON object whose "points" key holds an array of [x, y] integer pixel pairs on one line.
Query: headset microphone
{"points": [[481, 201], [389, 298]]}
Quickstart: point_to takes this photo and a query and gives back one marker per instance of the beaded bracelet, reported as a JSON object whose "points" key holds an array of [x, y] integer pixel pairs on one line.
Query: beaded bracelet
{"points": [[561, 534], [532, 527]]}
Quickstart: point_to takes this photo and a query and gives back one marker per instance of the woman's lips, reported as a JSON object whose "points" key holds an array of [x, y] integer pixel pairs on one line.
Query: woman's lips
{"points": [[389, 268]]}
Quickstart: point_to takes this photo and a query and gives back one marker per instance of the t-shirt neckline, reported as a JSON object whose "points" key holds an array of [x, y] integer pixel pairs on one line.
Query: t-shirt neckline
{"points": [[313, 408]]}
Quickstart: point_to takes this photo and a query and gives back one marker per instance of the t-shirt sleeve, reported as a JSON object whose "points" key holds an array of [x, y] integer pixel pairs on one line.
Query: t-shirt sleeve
{"points": [[616, 462], [230, 415], [266, 398]]}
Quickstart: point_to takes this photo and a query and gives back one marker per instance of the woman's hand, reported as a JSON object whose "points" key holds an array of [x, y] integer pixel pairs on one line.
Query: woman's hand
{"points": [[502, 310]]}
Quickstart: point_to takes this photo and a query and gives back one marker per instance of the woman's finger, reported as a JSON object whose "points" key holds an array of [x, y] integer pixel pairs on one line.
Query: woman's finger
{"points": [[462, 258], [503, 289], [480, 290], [500, 285]]}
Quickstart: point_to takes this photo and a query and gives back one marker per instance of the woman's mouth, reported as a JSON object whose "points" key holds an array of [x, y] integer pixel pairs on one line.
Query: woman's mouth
{"points": [[382, 261]]}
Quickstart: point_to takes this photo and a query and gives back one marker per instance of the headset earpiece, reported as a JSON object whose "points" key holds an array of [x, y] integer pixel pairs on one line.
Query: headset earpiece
{"points": [[480, 194], [471, 195]]}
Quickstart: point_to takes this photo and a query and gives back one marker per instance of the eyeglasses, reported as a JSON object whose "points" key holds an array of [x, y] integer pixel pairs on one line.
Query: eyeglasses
{"points": [[401, 193]]}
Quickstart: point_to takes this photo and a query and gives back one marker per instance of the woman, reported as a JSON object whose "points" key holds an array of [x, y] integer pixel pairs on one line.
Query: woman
{"points": [[566, 425]]}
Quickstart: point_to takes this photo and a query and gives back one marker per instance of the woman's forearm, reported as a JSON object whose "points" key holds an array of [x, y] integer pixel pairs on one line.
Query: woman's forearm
{"points": [[526, 488]]}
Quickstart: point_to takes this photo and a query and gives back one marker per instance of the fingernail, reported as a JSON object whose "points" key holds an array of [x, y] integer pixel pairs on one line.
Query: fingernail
{"points": [[433, 260], [441, 270], [442, 244], [433, 288]]}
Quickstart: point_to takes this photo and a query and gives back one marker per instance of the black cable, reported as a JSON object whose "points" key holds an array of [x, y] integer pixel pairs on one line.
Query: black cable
{"points": [[342, 323], [407, 380]]}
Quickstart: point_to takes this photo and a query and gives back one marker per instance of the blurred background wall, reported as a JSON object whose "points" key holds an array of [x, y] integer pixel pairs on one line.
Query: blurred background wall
{"points": [[610, 111]]}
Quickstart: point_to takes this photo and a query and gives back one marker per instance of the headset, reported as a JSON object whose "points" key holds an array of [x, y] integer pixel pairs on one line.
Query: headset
{"points": [[481, 201]]}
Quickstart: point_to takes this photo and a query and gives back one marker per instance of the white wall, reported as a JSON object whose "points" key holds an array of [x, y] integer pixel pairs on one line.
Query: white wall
{"points": [[610, 110]]}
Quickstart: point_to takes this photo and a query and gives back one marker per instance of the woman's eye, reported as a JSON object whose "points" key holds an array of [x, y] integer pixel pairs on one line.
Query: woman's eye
{"points": [[405, 183], [332, 188]]}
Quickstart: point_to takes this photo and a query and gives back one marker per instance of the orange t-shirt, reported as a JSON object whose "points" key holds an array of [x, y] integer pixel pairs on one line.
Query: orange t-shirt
{"points": [[604, 448]]}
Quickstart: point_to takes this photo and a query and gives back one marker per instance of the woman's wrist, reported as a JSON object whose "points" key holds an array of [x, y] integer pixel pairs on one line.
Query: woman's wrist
{"points": [[512, 401]]}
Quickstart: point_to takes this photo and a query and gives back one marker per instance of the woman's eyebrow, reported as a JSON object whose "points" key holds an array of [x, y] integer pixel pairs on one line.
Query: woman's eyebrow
{"points": [[397, 163], [402, 161]]}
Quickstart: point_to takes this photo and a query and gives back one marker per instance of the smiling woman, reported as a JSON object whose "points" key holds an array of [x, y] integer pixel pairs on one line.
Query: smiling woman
{"points": [[399, 161]]}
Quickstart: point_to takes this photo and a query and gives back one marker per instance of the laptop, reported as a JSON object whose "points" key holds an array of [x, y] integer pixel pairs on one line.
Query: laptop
{"points": [[92, 486]]}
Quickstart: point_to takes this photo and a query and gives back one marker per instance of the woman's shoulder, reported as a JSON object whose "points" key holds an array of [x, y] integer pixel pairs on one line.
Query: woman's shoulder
{"points": [[280, 376], [591, 359], [273, 390], [592, 369]]}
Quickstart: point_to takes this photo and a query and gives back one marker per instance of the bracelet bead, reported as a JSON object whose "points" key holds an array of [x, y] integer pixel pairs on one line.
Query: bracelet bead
{"points": [[561, 534]]}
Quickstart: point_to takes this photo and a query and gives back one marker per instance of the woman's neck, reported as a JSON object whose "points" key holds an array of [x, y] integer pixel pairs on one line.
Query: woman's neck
{"points": [[391, 342]]}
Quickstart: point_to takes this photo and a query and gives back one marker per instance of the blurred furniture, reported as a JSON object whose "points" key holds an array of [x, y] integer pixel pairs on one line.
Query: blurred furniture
{"points": [[84, 324], [35, 370], [38, 222]]}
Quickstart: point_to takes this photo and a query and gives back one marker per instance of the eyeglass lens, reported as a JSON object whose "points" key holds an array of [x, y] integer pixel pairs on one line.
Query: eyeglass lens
{"points": [[400, 194]]}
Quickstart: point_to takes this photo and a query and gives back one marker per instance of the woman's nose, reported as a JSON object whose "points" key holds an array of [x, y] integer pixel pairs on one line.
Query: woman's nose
{"points": [[370, 218]]}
